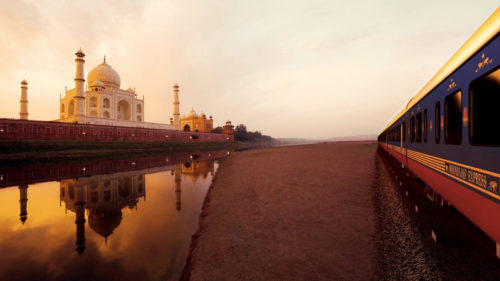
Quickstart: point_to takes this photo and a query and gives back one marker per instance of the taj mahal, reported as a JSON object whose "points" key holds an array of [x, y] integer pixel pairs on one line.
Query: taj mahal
{"points": [[102, 101]]}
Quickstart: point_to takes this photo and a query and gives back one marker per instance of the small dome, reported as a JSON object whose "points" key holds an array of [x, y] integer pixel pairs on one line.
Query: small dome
{"points": [[203, 115], [105, 73], [24, 82], [228, 122], [193, 114]]}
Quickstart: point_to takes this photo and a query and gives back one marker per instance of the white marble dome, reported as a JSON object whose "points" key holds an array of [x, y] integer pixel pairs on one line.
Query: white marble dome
{"points": [[104, 73]]}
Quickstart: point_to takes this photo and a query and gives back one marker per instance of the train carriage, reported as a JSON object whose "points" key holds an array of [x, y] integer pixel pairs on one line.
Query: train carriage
{"points": [[448, 135]]}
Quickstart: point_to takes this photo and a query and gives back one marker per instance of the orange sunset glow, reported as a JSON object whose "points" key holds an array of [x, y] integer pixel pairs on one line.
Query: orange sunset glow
{"points": [[309, 65], [191, 140]]}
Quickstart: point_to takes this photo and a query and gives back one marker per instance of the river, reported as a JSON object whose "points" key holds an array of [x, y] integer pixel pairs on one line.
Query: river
{"points": [[104, 219]]}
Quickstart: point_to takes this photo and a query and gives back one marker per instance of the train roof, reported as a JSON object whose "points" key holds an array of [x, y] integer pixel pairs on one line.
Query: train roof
{"points": [[485, 33]]}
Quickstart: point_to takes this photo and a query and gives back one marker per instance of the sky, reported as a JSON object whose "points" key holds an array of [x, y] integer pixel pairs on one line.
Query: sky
{"points": [[306, 69]]}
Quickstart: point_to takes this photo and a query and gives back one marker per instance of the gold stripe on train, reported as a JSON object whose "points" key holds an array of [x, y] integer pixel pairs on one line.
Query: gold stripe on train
{"points": [[421, 158], [430, 164], [485, 181], [440, 164], [427, 158], [475, 187], [459, 164]]}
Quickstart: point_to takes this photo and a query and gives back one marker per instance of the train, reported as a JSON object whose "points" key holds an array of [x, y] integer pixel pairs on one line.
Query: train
{"points": [[448, 135]]}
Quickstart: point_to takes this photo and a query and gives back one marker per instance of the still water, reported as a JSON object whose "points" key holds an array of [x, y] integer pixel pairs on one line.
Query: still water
{"points": [[112, 219]]}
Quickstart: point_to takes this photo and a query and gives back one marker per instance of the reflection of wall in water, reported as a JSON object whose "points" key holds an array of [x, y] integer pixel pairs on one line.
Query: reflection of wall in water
{"points": [[103, 197]]}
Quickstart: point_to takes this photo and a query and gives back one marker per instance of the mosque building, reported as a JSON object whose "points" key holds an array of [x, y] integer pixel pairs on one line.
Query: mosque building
{"points": [[191, 123], [196, 123]]}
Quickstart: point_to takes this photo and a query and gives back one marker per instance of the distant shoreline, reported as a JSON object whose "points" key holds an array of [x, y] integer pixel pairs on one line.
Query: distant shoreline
{"points": [[327, 141]]}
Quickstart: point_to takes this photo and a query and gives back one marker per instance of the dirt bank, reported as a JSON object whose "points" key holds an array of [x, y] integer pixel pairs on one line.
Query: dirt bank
{"points": [[62, 149], [289, 213]]}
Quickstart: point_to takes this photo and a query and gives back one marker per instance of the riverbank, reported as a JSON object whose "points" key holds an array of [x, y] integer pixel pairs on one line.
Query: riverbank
{"points": [[62, 149], [289, 213]]}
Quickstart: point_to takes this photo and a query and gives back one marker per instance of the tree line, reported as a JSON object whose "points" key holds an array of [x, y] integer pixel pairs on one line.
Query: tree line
{"points": [[242, 134]]}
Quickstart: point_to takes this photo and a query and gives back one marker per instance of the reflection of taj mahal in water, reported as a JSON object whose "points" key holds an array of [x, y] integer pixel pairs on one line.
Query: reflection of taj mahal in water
{"points": [[104, 196]]}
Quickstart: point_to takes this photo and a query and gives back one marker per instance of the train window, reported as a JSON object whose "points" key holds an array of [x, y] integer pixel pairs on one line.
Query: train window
{"points": [[484, 100], [437, 123], [404, 132], [419, 127], [425, 126], [412, 129], [453, 118]]}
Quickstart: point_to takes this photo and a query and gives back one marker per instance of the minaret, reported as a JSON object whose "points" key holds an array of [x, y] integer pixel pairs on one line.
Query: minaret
{"points": [[177, 179], [79, 86], [23, 200], [80, 218], [23, 114], [177, 120]]}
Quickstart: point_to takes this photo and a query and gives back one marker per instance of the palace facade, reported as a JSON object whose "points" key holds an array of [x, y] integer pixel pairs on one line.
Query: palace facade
{"points": [[102, 101]]}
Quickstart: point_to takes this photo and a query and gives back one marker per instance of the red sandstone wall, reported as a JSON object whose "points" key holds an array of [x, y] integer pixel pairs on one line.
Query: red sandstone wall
{"points": [[14, 129]]}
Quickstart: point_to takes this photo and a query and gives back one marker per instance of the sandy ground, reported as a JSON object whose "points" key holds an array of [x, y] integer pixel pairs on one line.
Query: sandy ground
{"points": [[289, 213]]}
